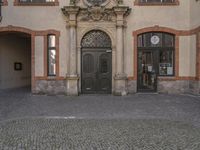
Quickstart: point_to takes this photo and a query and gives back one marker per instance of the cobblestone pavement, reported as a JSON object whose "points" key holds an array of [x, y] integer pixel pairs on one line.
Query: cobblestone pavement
{"points": [[103, 122], [84, 134]]}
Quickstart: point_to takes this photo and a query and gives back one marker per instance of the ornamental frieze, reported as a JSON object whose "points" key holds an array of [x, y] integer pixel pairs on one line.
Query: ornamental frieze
{"points": [[96, 13]]}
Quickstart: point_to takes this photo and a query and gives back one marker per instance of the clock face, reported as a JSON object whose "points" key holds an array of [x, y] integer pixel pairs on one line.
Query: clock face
{"points": [[96, 2], [155, 39]]}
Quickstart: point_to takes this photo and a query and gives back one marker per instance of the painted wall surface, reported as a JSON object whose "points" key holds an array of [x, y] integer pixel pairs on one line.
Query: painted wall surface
{"points": [[39, 56], [187, 56], [14, 49], [181, 17], [194, 13]]}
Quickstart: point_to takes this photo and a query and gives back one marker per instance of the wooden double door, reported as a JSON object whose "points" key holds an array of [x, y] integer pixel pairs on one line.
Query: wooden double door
{"points": [[96, 77]]}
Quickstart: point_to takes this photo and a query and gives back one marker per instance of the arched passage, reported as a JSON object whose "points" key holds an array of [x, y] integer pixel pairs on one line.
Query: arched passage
{"points": [[96, 63], [15, 59]]}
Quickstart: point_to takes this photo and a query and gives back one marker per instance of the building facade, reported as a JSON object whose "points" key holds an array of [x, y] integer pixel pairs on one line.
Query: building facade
{"points": [[100, 46]]}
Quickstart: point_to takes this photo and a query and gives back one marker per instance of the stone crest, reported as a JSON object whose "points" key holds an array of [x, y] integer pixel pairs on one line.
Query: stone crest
{"points": [[96, 13]]}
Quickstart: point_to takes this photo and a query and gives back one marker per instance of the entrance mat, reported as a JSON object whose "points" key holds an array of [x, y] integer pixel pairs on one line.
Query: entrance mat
{"points": [[83, 134]]}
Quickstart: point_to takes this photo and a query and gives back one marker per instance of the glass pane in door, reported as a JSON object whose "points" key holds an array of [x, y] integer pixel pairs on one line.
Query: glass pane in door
{"points": [[146, 71]]}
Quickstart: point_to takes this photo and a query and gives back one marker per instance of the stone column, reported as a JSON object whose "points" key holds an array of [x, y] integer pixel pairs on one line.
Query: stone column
{"points": [[72, 77], [120, 78]]}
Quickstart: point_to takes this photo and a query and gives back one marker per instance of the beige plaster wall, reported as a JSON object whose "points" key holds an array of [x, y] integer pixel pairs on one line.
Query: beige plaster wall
{"points": [[51, 17], [39, 56], [187, 56], [40, 18], [194, 15], [14, 49]]}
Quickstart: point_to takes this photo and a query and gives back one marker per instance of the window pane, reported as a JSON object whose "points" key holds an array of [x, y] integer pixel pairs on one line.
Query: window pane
{"points": [[169, 40], [52, 40], [52, 62], [166, 63]]}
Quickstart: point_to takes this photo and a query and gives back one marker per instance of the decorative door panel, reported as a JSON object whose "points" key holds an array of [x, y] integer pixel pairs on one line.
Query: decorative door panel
{"points": [[104, 72], [96, 72], [88, 72]]}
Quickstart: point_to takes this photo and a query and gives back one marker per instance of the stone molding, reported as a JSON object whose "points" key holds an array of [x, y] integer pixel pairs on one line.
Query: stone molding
{"points": [[167, 29], [96, 14]]}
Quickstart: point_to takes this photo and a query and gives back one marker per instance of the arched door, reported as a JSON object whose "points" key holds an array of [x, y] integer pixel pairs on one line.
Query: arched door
{"points": [[96, 77]]}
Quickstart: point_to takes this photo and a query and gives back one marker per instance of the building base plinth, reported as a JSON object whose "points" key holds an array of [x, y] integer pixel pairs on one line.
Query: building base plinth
{"points": [[72, 85], [120, 88]]}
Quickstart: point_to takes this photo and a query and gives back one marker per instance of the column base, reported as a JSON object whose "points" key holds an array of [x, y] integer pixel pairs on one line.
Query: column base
{"points": [[72, 85], [120, 88]]}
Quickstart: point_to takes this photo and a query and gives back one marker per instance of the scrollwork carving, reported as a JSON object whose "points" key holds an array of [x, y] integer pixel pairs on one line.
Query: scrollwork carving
{"points": [[96, 13]]}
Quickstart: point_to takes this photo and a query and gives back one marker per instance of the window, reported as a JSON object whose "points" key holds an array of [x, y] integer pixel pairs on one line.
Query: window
{"points": [[156, 2], [51, 55], [36, 2], [163, 45]]}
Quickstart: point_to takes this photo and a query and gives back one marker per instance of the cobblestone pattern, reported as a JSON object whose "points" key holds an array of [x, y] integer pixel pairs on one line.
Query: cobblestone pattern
{"points": [[65, 134]]}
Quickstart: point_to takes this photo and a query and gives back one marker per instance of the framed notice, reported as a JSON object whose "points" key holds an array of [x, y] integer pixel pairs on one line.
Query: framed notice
{"points": [[17, 66]]}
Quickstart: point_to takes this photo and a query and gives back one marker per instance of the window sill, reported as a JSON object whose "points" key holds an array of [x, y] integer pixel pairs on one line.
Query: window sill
{"points": [[166, 78], [137, 3], [36, 4]]}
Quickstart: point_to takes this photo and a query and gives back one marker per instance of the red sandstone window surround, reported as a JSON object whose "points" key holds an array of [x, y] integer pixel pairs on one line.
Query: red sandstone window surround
{"points": [[5, 2], [36, 3], [156, 2]]}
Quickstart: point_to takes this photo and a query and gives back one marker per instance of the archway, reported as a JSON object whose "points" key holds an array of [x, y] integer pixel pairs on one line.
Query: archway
{"points": [[15, 57], [96, 63]]}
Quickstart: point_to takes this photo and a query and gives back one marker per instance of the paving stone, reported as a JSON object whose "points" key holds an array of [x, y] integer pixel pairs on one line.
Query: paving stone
{"points": [[135, 122], [98, 134]]}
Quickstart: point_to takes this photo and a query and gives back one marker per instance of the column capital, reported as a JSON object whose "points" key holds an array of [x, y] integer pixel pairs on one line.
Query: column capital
{"points": [[70, 10], [121, 12]]}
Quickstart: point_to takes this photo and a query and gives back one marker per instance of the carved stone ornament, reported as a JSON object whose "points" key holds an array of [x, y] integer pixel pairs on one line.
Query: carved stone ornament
{"points": [[96, 2], [96, 13]]}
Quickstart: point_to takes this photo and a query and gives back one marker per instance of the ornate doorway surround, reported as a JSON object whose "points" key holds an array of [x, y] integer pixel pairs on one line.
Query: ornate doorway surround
{"points": [[86, 15], [96, 63]]}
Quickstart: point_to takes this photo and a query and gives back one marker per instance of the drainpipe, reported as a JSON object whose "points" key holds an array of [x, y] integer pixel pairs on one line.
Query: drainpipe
{"points": [[1, 3]]}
